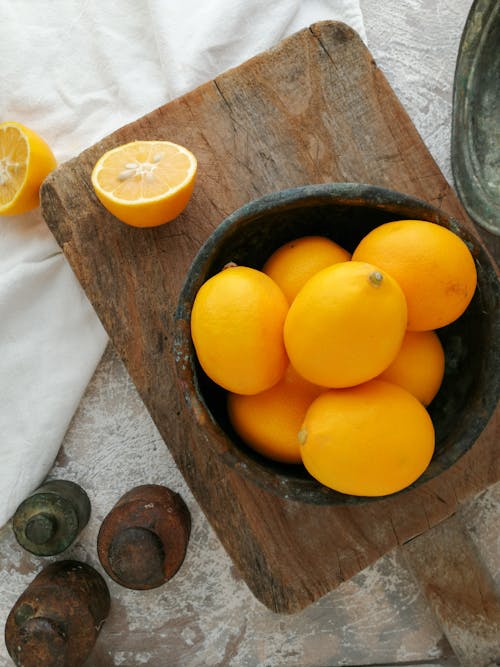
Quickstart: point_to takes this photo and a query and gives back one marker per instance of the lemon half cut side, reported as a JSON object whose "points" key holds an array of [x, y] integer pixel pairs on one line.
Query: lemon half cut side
{"points": [[25, 161], [145, 183]]}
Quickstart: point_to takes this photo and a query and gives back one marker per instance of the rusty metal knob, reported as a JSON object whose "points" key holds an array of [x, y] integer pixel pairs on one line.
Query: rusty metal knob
{"points": [[57, 619], [142, 542], [49, 520]]}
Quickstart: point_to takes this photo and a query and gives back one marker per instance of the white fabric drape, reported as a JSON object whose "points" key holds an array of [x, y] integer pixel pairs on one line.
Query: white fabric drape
{"points": [[73, 71]]}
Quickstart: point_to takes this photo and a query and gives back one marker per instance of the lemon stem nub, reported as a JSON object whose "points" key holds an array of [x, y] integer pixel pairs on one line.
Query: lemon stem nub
{"points": [[302, 436], [376, 278]]}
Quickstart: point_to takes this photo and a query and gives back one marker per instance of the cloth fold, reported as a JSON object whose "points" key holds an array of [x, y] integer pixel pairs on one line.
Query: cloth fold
{"points": [[75, 71]]}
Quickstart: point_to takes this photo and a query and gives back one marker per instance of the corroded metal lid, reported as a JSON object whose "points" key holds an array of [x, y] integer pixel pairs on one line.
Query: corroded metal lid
{"points": [[56, 620], [143, 540], [48, 521], [475, 141]]}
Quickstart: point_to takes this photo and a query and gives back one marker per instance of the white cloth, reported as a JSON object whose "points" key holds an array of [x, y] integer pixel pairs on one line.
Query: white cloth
{"points": [[75, 70]]}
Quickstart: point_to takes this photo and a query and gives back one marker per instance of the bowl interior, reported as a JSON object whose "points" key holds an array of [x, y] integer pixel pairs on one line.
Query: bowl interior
{"points": [[344, 213]]}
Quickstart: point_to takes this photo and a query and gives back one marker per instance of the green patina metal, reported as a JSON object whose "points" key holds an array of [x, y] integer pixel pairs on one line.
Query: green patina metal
{"points": [[475, 141], [48, 521]]}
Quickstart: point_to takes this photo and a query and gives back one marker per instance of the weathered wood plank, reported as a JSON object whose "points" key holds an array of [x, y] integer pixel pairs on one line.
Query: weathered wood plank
{"points": [[313, 109], [460, 591]]}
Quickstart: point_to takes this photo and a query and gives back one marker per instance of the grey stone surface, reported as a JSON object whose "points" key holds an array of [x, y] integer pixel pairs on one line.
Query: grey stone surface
{"points": [[206, 615]]}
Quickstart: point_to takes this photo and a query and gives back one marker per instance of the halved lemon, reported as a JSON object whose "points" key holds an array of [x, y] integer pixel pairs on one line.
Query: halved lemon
{"points": [[145, 183], [25, 161]]}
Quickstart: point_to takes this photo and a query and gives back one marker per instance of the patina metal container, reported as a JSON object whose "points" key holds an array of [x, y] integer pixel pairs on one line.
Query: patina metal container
{"points": [[142, 542], [475, 139], [56, 621], [344, 212], [49, 520]]}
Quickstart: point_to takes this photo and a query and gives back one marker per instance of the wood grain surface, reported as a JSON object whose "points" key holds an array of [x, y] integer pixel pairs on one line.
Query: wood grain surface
{"points": [[460, 591], [314, 109]]}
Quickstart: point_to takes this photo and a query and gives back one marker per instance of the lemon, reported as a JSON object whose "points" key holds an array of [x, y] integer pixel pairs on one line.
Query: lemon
{"points": [[145, 183], [25, 161]]}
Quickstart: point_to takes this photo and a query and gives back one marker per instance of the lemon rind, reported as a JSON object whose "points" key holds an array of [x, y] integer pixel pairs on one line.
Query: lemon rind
{"points": [[143, 200]]}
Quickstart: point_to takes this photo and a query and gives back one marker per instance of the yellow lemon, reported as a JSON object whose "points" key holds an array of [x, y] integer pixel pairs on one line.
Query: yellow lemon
{"points": [[291, 265], [270, 420], [25, 161], [346, 325], [370, 440], [418, 366], [145, 183], [237, 330], [433, 266]]}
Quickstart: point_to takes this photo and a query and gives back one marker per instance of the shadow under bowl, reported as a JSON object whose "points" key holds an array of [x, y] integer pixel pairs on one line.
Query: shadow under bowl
{"points": [[344, 212]]}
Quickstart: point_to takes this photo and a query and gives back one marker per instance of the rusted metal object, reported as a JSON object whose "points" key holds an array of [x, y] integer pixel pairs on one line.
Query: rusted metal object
{"points": [[56, 621], [49, 520], [143, 540]]}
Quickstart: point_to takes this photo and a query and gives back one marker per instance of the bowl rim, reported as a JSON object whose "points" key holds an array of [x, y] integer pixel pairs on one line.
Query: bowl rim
{"points": [[359, 194]]}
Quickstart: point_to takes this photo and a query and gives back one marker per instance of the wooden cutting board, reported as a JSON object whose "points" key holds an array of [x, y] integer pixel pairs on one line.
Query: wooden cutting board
{"points": [[313, 109]]}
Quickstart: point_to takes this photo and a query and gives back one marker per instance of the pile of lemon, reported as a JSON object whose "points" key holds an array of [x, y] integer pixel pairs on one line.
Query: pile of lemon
{"points": [[329, 359]]}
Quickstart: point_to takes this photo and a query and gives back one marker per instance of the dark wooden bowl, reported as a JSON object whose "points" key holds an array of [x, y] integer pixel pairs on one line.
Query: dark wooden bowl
{"points": [[344, 212]]}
